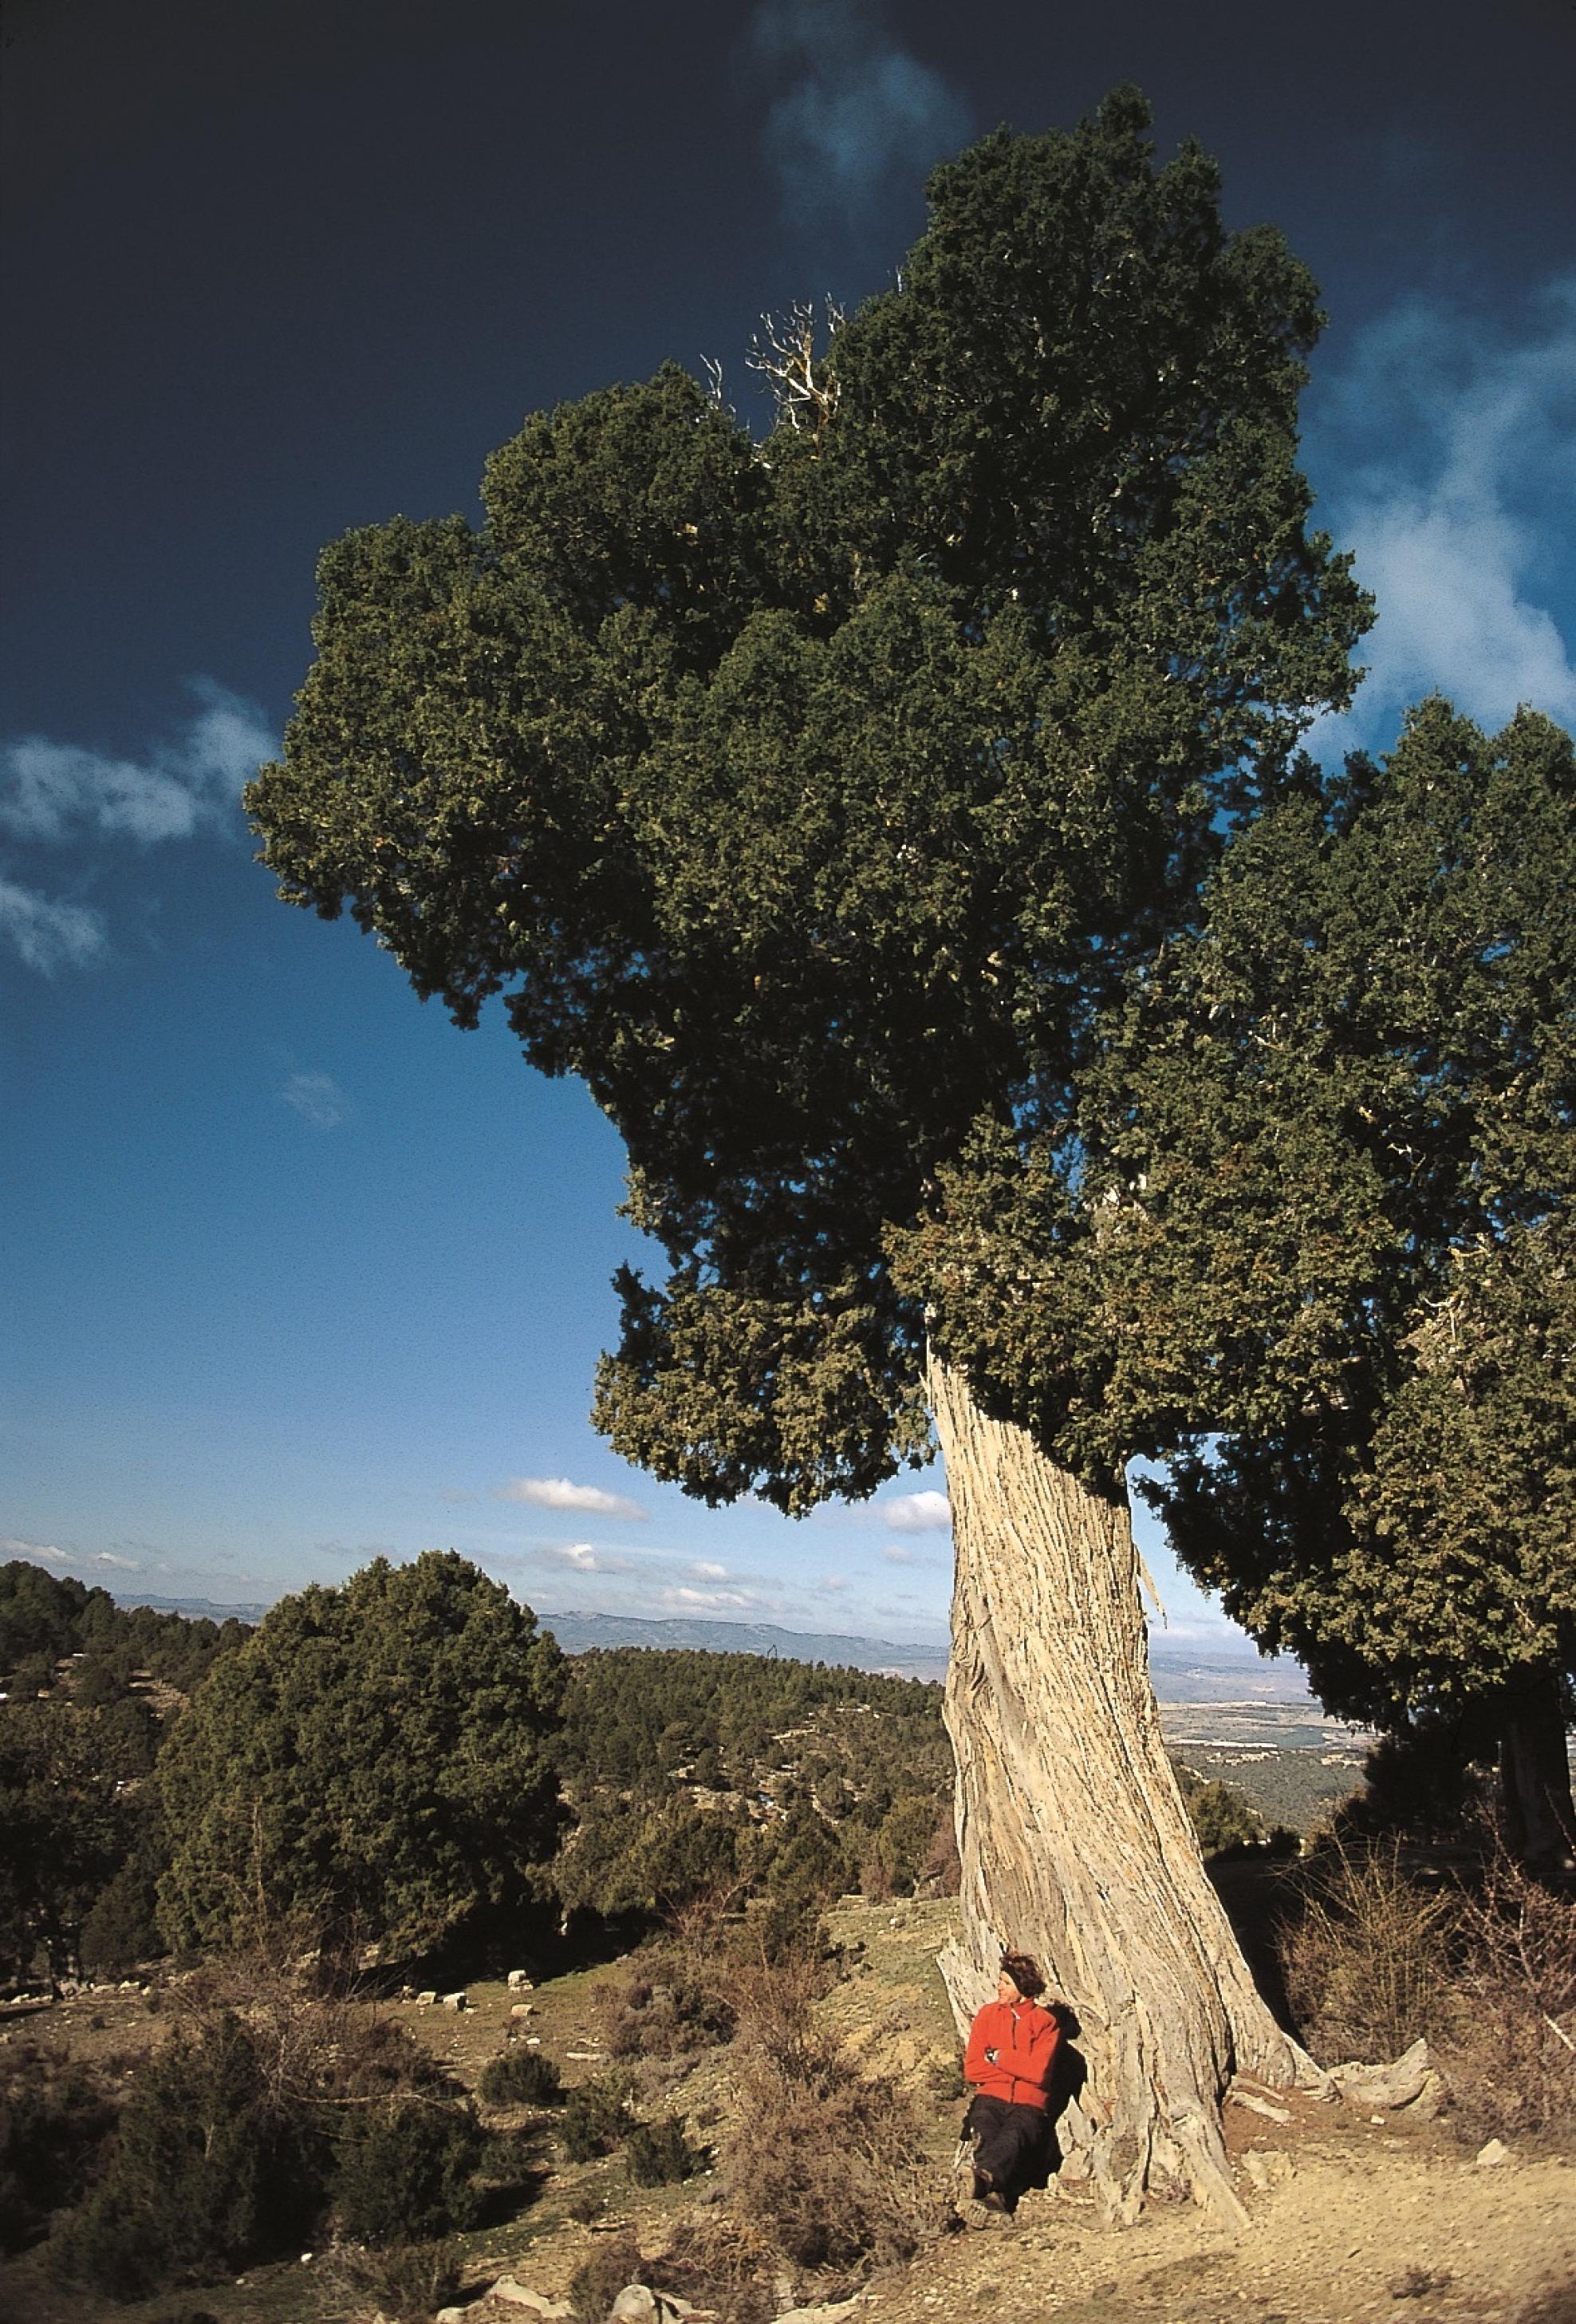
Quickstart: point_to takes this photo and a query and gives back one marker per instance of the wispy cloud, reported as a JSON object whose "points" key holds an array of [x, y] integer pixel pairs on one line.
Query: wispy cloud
{"points": [[559, 1493], [1445, 449], [53, 792], [121, 1565], [917, 1512], [48, 933], [31, 1549], [832, 1585], [319, 1099], [588, 1559], [898, 1553], [711, 1602], [705, 1573], [858, 111]]}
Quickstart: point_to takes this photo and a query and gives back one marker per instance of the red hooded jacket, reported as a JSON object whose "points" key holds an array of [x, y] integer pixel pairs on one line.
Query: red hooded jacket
{"points": [[1024, 2037]]}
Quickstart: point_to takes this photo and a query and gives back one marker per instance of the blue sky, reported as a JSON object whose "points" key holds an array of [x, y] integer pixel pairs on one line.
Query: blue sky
{"points": [[293, 1272]]}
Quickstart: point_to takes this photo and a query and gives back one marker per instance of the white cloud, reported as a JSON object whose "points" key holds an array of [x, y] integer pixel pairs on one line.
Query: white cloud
{"points": [[918, 1512], [30, 1549], [559, 1493], [705, 1573], [710, 1601], [832, 1583], [46, 933], [53, 792], [898, 1553], [319, 1099], [1448, 442], [586, 1559], [121, 1565], [859, 112]]}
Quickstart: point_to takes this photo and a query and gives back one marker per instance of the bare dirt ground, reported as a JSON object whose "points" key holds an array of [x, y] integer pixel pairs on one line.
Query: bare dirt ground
{"points": [[1356, 2219]]}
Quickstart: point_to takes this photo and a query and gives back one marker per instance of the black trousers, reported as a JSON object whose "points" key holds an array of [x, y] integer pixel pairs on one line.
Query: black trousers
{"points": [[1012, 2143]]}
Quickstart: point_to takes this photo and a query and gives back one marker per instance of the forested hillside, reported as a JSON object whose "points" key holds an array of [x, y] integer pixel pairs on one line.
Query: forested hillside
{"points": [[411, 1766]]}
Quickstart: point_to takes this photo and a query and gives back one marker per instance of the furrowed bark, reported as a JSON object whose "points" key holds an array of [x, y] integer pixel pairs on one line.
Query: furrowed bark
{"points": [[1075, 1842], [1535, 1770]]}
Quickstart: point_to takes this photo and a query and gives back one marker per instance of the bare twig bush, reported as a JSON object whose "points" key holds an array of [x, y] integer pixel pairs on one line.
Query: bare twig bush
{"points": [[833, 2161], [1369, 1958], [1513, 2060], [406, 2283], [671, 2007]]}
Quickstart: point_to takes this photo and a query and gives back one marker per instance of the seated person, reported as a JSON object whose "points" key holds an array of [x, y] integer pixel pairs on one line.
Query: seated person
{"points": [[1012, 2045]]}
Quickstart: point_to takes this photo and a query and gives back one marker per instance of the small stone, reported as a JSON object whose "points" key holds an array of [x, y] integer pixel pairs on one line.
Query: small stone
{"points": [[519, 1982], [1490, 2157], [427, 2000], [523, 2010], [456, 2001]]}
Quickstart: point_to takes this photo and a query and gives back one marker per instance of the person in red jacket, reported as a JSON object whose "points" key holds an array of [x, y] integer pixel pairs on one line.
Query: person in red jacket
{"points": [[1012, 2047]]}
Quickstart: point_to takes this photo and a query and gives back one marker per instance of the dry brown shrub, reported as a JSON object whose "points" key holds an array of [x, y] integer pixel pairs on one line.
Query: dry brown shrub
{"points": [[1512, 2063], [1368, 1958], [832, 2161], [670, 2009], [407, 2282], [597, 2281], [725, 2261]]}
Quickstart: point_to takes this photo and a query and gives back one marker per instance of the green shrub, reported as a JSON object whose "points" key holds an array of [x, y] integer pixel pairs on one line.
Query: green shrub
{"points": [[521, 2076], [1222, 1816], [55, 2119], [408, 2172], [659, 2155], [595, 2117], [208, 2174]]}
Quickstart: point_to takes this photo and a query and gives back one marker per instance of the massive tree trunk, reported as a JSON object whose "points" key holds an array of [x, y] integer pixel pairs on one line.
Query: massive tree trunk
{"points": [[1535, 1772], [1075, 1842]]}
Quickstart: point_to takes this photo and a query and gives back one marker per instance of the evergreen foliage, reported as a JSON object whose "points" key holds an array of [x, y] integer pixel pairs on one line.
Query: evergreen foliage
{"points": [[407, 2171], [806, 797], [376, 1757], [208, 2174], [1324, 1209]]}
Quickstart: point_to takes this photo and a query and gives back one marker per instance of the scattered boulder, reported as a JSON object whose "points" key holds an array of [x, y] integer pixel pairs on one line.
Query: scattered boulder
{"points": [[523, 2010], [428, 2000], [455, 2001], [519, 1982], [637, 2303], [1492, 2156], [1386, 2087]]}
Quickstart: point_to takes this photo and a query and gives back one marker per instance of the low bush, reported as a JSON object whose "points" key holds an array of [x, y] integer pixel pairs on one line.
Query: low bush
{"points": [[659, 2155], [521, 2076], [670, 2010], [408, 2172], [596, 2115], [55, 2117], [1367, 1955], [1511, 2062], [831, 2160], [210, 2172], [406, 2283], [596, 2283]]}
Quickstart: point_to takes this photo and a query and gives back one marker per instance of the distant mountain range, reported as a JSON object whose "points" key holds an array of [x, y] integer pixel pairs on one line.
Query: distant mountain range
{"points": [[1183, 1672], [198, 1608]]}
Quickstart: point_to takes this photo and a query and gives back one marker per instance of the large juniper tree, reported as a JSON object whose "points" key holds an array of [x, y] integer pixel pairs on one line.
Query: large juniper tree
{"points": [[1325, 1209], [809, 798]]}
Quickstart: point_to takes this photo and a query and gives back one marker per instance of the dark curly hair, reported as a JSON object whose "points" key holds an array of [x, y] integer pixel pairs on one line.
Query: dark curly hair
{"points": [[1024, 1972]]}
